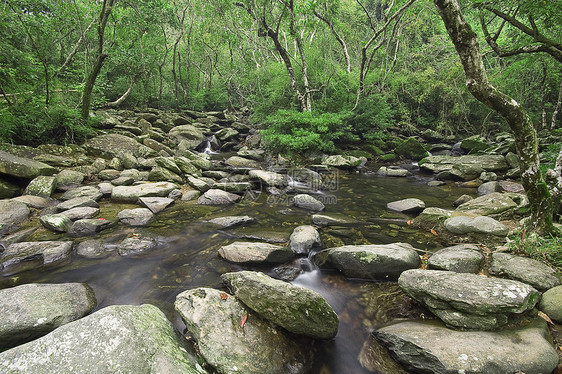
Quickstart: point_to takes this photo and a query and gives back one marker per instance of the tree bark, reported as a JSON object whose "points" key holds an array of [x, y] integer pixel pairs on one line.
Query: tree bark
{"points": [[468, 49], [100, 58]]}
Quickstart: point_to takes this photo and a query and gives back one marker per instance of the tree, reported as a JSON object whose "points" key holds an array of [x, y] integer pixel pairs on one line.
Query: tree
{"points": [[541, 199]]}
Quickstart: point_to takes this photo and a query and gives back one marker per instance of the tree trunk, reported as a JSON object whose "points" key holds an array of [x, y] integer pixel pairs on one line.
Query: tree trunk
{"points": [[119, 101], [557, 108], [338, 38], [468, 49], [91, 80]]}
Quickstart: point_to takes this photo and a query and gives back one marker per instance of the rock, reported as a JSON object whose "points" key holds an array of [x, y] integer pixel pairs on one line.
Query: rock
{"points": [[21, 167], [242, 163], [86, 191], [431, 216], [93, 249], [190, 195], [296, 309], [123, 181], [303, 239], [492, 203], [29, 255], [509, 186], [308, 202], [89, 226], [12, 213], [481, 225], [488, 188], [186, 166], [475, 143], [385, 171], [217, 197], [525, 270], [462, 258], [268, 178], [551, 303], [56, 222], [256, 253], [116, 339], [467, 300], [67, 178], [369, 261], [199, 184], [333, 219], [168, 163], [189, 135], [430, 347], [342, 161], [257, 348], [133, 193], [134, 245], [231, 221], [437, 164], [407, 206], [233, 186], [80, 213], [254, 154], [115, 146], [156, 204], [109, 174], [36, 202], [41, 186], [488, 176], [411, 149], [160, 174], [33, 310], [461, 200], [136, 217], [78, 202], [226, 134]]}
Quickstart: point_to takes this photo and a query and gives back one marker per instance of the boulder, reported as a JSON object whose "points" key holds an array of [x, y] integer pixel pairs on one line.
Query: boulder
{"points": [[12, 213], [69, 177], [156, 204], [186, 166], [303, 239], [486, 205], [525, 270], [268, 178], [411, 149], [30, 255], [551, 303], [340, 161], [308, 202], [190, 195], [33, 310], [226, 134], [461, 200], [115, 146], [233, 339], [133, 193], [474, 144], [385, 171], [116, 339], [136, 245], [242, 163], [407, 206], [36, 202], [93, 249], [160, 174], [488, 188], [89, 226], [80, 213], [91, 192], [78, 202], [257, 253], [41, 186], [217, 197], [432, 216], [199, 184], [430, 347], [468, 301], [481, 225], [21, 167], [136, 217], [231, 221], [437, 164], [189, 135], [371, 261], [462, 258], [296, 309], [56, 222]]}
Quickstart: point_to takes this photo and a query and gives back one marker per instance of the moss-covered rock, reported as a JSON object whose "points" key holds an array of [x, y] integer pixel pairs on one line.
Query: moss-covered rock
{"points": [[412, 149]]}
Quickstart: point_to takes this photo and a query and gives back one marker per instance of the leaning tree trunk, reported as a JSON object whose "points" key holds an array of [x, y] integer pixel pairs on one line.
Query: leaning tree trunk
{"points": [[466, 44]]}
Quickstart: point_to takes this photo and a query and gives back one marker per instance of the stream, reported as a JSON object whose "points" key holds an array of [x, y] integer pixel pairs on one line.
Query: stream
{"points": [[188, 257]]}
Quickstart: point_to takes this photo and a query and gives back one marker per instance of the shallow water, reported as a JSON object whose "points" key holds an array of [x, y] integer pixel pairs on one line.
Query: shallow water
{"points": [[188, 257]]}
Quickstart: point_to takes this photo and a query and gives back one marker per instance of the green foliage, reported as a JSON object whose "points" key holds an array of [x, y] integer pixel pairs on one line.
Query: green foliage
{"points": [[372, 117], [546, 249], [298, 133]]}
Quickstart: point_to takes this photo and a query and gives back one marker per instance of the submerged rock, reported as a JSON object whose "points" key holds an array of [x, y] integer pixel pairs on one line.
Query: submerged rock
{"points": [[525, 270], [296, 309], [136, 245], [116, 339], [430, 347], [370, 261], [29, 255], [252, 252], [33, 310], [234, 340], [333, 219], [467, 300]]}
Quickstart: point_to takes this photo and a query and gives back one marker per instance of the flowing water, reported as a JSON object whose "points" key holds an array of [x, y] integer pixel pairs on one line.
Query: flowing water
{"points": [[188, 256]]}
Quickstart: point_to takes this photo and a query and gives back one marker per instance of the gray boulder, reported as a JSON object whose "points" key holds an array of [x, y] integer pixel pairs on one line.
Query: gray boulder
{"points": [[41, 186], [242, 163], [36, 202], [257, 253], [408, 206], [69, 177], [386, 171], [12, 213], [78, 202], [21, 167], [231, 221], [234, 340], [340, 161], [437, 164], [303, 239], [56, 222], [116, 339], [217, 197], [156, 204], [85, 191], [524, 269], [296, 309], [467, 300], [189, 135], [199, 183], [488, 188], [369, 261], [430, 347], [268, 178], [160, 174], [551, 303], [308, 202], [33, 310], [492, 203], [481, 225], [115, 146], [29, 255], [462, 258], [89, 226], [80, 213], [133, 193], [136, 217]]}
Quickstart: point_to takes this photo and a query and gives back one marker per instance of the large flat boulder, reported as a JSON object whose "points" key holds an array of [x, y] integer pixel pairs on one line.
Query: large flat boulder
{"points": [[33, 310], [257, 253], [116, 339], [525, 270], [268, 178], [190, 135], [462, 258], [468, 300], [234, 340], [296, 309], [408, 206], [133, 193], [480, 225], [29, 255], [22, 167], [430, 347], [115, 145], [371, 261], [492, 203]]}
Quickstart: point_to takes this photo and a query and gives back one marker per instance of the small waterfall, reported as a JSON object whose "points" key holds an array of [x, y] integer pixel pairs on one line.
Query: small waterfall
{"points": [[208, 149]]}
